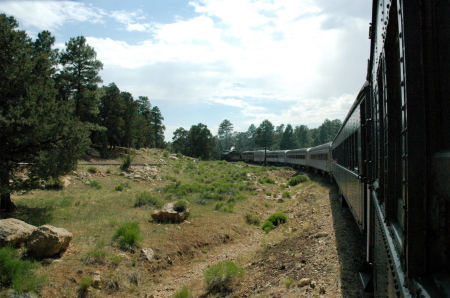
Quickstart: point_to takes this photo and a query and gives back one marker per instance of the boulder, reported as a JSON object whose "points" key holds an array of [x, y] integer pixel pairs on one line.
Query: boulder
{"points": [[48, 241], [168, 214], [13, 232]]}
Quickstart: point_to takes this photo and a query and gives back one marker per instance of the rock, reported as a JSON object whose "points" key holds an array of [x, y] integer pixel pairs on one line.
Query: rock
{"points": [[147, 253], [304, 282], [13, 232], [97, 279], [168, 214], [321, 234], [93, 152], [48, 241]]}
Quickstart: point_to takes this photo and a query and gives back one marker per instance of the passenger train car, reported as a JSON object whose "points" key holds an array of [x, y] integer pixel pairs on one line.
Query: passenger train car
{"points": [[391, 157]]}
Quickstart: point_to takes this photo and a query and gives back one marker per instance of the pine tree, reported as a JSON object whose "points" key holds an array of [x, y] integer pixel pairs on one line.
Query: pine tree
{"points": [[79, 78], [39, 137], [264, 136]]}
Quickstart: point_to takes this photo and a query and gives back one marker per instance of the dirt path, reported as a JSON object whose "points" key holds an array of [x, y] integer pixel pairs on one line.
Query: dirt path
{"points": [[191, 272]]}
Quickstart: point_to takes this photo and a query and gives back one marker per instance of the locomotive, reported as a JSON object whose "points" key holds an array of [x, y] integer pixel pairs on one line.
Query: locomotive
{"points": [[391, 156]]}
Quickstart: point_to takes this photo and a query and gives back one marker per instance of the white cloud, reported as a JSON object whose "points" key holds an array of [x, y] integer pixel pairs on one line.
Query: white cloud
{"points": [[49, 15]]}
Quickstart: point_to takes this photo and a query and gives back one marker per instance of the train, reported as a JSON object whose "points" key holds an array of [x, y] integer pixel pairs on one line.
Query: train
{"points": [[391, 157]]}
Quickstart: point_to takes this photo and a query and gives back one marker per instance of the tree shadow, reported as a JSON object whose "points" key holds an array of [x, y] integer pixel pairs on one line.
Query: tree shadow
{"points": [[36, 216]]}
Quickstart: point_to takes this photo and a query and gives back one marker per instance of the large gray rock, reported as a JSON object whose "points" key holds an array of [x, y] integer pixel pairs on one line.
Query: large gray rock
{"points": [[13, 232], [48, 241], [168, 214]]}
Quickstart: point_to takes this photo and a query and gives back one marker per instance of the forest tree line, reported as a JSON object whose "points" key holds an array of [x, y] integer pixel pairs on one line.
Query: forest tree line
{"points": [[199, 142]]}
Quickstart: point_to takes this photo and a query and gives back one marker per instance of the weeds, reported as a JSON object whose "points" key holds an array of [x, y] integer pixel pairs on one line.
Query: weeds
{"points": [[297, 180], [126, 162], [18, 274], [146, 198], [274, 220], [95, 184], [221, 277], [128, 235], [253, 220], [185, 292], [181, 205]]}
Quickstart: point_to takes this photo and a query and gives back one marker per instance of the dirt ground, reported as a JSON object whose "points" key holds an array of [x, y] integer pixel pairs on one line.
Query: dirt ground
{"points": [[317, 254]]}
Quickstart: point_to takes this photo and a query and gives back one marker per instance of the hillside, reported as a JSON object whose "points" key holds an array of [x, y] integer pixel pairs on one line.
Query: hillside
{"points": [[316, 253]]}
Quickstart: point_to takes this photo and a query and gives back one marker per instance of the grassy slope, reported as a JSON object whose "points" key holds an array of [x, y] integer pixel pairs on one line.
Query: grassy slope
{"points": [[92, 215]]}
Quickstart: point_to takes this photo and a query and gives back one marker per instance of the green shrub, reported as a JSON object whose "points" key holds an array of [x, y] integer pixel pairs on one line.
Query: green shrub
{"points": [[267, 226], [92, 170], [277, 218], [128, 235], [274, 220], [253, 220], [185, 292], [297, 180], [221, 277], [269, 180], [286, 194], [119, 187], [166, 153], [95, 184], [181, 205], [146, 198], [18, 274], [116, 259], [126, 162]]}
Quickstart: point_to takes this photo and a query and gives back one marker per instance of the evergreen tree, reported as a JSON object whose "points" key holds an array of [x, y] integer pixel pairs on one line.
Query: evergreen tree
{"points": [[264, 136], [200, 141], [302, 134], [278, 134], [39, 137], [250, 137], [180, 142], [111, 114], [130, 113], [144, 133], [288, 140], [225, 129], [79, 78], [157, 127]]}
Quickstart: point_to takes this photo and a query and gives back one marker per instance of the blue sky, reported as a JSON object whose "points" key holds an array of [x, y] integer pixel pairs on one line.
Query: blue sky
{"points": [[203, 61]]}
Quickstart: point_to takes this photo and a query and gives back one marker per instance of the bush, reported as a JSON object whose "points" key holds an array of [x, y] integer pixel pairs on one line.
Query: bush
{"points": [[221, 277], [126, 162], [185, 292], [286, 194], [274, 220], [297, 180], [267, 226], [95, 184], [18, 274], [94, 256], [54, 183], [253, 220], [181, 205], [146, 198], [92, 170], [277, 218], [128, 235]]}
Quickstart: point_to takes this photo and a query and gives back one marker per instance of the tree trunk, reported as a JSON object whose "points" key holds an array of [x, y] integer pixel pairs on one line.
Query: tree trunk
{"points": [[6, 204], [5, 201]]}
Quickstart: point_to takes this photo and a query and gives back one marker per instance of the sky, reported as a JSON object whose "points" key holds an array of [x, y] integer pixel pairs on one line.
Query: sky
{"points": [[295, 62]]}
